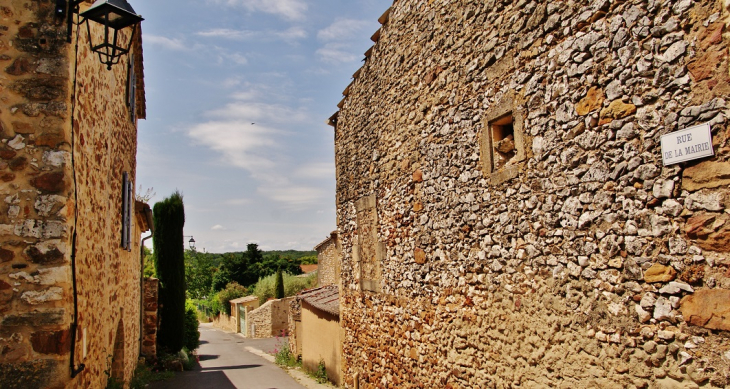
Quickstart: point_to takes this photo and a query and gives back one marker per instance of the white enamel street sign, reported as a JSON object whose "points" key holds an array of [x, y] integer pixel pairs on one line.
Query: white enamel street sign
{"points": [[688, 144]]}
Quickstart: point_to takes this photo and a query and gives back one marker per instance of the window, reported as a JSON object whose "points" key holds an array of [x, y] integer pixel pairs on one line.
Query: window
{"points": [[127, 211], [502, 143]]}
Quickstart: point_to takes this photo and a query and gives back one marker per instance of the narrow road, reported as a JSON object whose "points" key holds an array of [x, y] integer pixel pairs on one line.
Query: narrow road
{"points": [[225, 364]]}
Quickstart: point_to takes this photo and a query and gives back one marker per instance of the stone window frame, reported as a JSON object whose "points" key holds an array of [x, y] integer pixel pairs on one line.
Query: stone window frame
{"points": [[506, 107]]}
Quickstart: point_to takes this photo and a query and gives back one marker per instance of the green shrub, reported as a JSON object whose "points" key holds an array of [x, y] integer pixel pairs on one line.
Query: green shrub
{"points": [[191, 331], [265, 288], [320, 375], [232, 291], [215, 304], [143, 375]]}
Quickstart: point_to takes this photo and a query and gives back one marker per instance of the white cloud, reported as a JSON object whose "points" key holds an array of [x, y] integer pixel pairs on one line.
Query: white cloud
{"points": [[252, 135], [339, 38], [343, 29], [231, 82], [241, 144], [261, 112], [243, 201], [165, 42], [246, 95], [337, 53], [234, 58], [228, 33], [245, 133], [287, 9], [291, 34], [316, 170], [217, 227], [293, 196]]}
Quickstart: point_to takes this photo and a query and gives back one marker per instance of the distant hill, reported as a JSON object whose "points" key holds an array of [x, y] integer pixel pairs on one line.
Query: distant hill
{"points": [[293, 254]]}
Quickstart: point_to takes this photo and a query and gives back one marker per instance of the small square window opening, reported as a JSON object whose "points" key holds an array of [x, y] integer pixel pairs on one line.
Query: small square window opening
{"points": [[503, 141]]}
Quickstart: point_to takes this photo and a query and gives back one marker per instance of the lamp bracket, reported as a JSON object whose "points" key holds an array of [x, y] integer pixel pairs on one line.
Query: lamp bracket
{"points": [[73, 8]]}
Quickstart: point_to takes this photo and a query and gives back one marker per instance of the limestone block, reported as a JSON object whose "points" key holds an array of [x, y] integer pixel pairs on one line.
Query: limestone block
{"points": [[709, 308], [707, 174], [659, 273], [39, 297], [710, 231]]}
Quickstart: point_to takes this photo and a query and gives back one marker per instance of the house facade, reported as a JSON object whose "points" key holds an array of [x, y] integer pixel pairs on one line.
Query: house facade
{"points": [[504, 211], [318, 332], [328, 261], [240, 308], [70, 275]]}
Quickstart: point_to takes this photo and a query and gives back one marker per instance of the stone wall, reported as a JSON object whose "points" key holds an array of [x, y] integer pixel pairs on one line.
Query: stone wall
{"points": [[149, 324], [504, 213], [270, 319], [61, 200], [295, 320], [328, 260]]}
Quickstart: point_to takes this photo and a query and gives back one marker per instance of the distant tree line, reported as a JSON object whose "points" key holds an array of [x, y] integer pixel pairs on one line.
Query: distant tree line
{"points": [[209, 273]]}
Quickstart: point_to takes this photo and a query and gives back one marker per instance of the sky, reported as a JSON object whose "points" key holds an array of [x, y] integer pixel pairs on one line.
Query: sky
{"points": [[238, 92]]}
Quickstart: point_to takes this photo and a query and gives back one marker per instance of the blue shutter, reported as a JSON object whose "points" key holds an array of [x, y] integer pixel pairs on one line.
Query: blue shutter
{"points": [[125, 209], [130, 213], [132, 88]]}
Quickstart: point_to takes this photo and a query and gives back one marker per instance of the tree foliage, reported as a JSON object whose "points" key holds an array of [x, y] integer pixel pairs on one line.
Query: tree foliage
{"points": [[149, 263], [199, 270], [279, 285], [206, 274], [265, 288], [232, 291], [169, 218]]}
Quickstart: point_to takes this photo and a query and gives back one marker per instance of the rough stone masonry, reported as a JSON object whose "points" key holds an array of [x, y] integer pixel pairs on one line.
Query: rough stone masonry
{"points": [[66, 137], [504, 213]]}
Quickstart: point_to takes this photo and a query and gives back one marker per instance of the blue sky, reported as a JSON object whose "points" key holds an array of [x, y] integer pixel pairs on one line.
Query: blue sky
{"points": [[214, 67]]}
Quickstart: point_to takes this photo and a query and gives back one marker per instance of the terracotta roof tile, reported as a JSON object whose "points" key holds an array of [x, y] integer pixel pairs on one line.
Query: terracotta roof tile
{"points": [[326, 298]]}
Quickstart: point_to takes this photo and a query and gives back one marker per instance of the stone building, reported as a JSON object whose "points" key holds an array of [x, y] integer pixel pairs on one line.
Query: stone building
{"points": [[269, 320], [70, 270], [328, 261], [504, 213], [240, 308]]}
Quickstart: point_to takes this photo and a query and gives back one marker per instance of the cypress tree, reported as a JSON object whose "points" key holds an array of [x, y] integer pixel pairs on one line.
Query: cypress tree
{"points": [[279, 285], [169, 218]]}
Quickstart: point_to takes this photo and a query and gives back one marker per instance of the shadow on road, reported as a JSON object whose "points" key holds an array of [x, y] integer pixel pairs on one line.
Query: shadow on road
{"points": [[207, 357], [198, 379], [229, 367]]}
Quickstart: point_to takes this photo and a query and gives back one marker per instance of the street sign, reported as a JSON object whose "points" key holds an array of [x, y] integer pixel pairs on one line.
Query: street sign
{"points": [[688, 144]]}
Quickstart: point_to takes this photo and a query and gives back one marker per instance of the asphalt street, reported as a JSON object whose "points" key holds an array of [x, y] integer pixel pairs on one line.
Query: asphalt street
{"points": [[226, 364]]}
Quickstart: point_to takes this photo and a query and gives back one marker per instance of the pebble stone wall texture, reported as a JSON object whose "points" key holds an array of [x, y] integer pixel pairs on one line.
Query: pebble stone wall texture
{"points": [[565, 255], [55, 183], [270, 319], [149, 320]]}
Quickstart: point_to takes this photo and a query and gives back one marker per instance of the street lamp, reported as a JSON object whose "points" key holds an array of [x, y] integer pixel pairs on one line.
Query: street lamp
{"points": [[191, 242], [114, 15]]}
